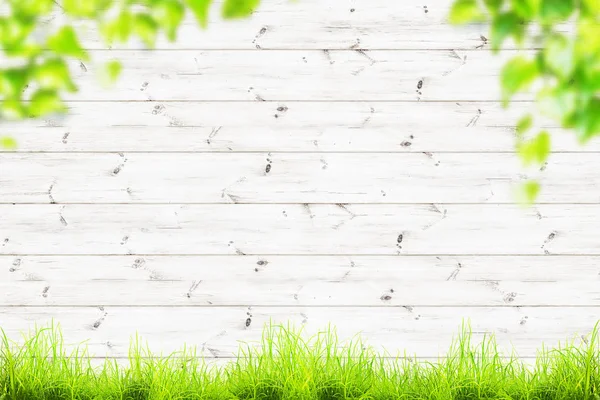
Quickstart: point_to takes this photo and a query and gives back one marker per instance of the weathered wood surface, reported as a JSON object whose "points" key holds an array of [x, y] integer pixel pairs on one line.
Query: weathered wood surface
{"points": [[342, 290], [217, 332], [224, 362], [313, 24], [367, 140], [277, 269], [284, 127], [303, 229], [306, 75], [290, 178], [290, 280]]}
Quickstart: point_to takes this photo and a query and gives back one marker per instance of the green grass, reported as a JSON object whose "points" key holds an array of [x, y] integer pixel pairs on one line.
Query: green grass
{"points": [[288, 365]]}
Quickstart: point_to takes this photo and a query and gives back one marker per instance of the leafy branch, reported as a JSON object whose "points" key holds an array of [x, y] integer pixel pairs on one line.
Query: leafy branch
{"points": [[38, 59], [565, 70]]}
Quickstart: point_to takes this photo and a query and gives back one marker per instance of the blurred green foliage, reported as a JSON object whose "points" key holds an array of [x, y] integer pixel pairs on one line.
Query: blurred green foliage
{"points": [[565, 71], [37, 58]]}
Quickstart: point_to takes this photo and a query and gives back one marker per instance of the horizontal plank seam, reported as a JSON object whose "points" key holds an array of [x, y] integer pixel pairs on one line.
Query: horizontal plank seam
{"points": [[301, 254], [155, 100], [308, 49], [296, 255], [228, 358], [258, 306], [241, 203], [352, 152], [267, 101], [298, 203]]}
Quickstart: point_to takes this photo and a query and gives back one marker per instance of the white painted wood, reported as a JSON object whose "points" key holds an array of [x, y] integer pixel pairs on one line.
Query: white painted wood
{"points": [[290, 178], [299, 229], [211, 364], [217, 332], [277, 269], [311, 75], [300, 126], [224, 362], [365, 101], [290, 281], [310, 24], [309, 292]]}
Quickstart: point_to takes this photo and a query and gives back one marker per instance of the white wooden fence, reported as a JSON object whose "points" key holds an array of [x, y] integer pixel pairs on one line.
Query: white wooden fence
{"points": [[340, 161]]}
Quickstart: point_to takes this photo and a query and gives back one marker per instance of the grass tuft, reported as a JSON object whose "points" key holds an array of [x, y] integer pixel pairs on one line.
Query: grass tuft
{"points": [[289, 365]]}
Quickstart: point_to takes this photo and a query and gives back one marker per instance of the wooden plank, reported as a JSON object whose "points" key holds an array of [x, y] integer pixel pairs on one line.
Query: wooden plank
{"points": [[424, 331], [299, 127], [311, 75], [274, 270], [299, 229], [210, 363], [285, 280], [289, 178], [223, 362], [310, 24], [291, 281], [309, 292]]}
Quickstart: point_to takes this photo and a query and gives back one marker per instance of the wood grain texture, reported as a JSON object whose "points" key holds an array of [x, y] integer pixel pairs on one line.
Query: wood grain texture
{"points": [[311, 75], [290, 178], [313, 24], [299, 281], [275, 269], [371, 166], [425, 331], [223, 362], [299, 229], [283, 127]]}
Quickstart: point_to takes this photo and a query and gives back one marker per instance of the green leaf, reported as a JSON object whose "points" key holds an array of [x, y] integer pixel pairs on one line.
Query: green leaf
{"points": [[146, 28], [200, 8], [590, 80], [54, 75], [33, 8], [553, 11], [493, 5], [13, 109], [241, 8], [503, 26], [587, 43], [464, 11], [517, 74], [529, 192], [8, 143], [25, 50], [85, 8], [536, 149], [169, 14], [524, 124], [65, 42], [14, 29], [45, 102], [526, 9], [591, 8], [118, 29], [110, 73], [13, 81], [588, 121], [558, 103], [559, 56]]}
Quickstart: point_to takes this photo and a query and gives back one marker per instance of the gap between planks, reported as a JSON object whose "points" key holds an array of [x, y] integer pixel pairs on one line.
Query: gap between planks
{"points": [[276, 152], [249, 203], [517, 307], [298, 255]]}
